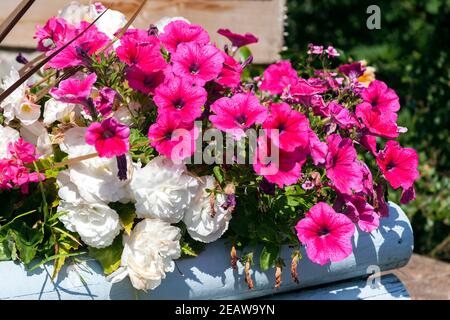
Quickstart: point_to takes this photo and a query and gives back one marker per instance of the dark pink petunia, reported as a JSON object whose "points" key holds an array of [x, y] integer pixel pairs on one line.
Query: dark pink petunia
{"points": [[79, 52], [142, 81], [369, 142], [172, 137], [376, 122], [380, 201], [110, 138], [380, 97], [179, 31], [237, 113], [197, 63], [408, 195], [342, 116], [105, 100], [278, 166], [367, 179], [352, 70], [361, 213], [326, 234], [75, 89], [238, 40], [342, 166], [398, 165], [181, 97], [230, 76], [279, 76], [141, 51], [317, 149], [55, 32], [287, 127]]}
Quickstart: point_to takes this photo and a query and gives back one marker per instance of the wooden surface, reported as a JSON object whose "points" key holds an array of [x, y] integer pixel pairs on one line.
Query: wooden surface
{"points": [[209, 275], [264, 18]]}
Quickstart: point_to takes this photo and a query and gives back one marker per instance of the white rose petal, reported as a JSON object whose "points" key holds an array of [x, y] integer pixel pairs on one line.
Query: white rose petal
{"points": [[7, 135], [96, 223], [201, 223], [148, 254], [162, 190]]}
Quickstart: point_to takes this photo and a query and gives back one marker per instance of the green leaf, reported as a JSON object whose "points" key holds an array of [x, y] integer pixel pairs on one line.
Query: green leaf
{"points": [[218, 173], [244, 53], [8, 249], [27, 240], [268, 257], [109, 257], [127, 214], [187, 250]]}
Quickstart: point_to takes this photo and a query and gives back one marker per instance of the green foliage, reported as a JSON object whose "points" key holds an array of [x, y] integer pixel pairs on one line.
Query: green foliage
{"points": [[109, 257], [411, 53]]}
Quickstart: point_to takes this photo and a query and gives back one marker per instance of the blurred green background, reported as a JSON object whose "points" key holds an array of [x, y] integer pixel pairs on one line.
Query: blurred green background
{"points": [[411, 53]]}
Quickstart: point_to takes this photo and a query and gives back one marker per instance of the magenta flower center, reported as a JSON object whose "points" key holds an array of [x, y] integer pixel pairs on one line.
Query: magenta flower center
{"points": [[241, 119], [390, 165], [194, 68], [108, 134], [323, 231], [178, 104]]}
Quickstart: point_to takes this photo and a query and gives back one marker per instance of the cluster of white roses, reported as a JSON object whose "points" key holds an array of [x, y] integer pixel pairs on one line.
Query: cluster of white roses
{"points": [[163, 193]]}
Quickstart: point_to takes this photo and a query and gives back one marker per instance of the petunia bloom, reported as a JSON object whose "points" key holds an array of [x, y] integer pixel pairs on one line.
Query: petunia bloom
{"points": [[237, 113], [398, 165], [376, 122], [197, 63], [384, 99], [143, 81], [342, 116], [238, 40], [105, 100], [342, 166], [173, 137], [180, 31], [361, 213], [230, 76], [79, 52], [110, 138], [53, 33], [292, 127], [181, 97], [326, 234], [278, 77], [75, 89], [278, 166]]}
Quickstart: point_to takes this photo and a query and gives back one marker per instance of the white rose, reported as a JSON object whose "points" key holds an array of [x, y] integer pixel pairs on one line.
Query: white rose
{"points": [[57, 111], [148, 254], [68, 191], [201, 222], [162, 190], [14, 100], [96, 223], [7, 135]]}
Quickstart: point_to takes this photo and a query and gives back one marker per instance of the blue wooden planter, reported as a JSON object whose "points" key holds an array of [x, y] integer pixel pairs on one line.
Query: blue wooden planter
{"points": [[209, 276]]}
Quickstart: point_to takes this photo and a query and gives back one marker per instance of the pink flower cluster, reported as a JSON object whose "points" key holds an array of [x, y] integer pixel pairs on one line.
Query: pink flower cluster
{"points": [[14, 171]]}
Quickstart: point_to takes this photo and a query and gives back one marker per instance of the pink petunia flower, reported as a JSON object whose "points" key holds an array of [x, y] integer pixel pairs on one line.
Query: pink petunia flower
{"points": [[369, 142], [278, 77], [353, 70], [342, 166], [367, 179], [230, 76], [79, 52], [408, 195], [314, 49], [75, 89], [110, 138], [197, 63], [142, 81], [398, 165], [238, 40], [179, 31], [172, 137], [237, 113], [332, 52], [317, 149], [181, 97], [361, 213], [380, 201], [139, 50], [55, 32], [380, 97], [376, 122], [277, 166], [342, 116], [326, 234], [292, 127], [105, 100], [22, 151]]}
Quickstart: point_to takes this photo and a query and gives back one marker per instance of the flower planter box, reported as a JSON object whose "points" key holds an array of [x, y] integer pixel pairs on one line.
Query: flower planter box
{"points": [[209, 276]]}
